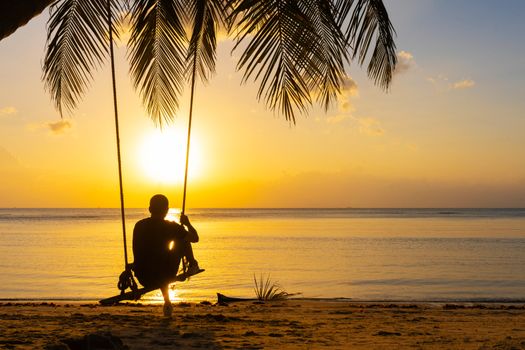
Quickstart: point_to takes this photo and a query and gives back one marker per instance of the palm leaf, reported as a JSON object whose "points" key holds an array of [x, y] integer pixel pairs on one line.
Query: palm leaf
{"points": [[157, 52], [205, 16], [327, 53], [279, 35], [296, 48], [368, 21], [77, 44]]}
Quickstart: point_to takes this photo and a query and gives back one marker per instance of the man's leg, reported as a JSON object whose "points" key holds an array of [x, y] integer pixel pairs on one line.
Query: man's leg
{"points": [[187, 251], [184, 249], [168, 308]]}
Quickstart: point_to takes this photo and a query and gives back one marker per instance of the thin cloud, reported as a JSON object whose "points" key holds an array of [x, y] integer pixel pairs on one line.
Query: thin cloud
{"points": [[437, 79], [405, 62], [463, 84], [345, 106], [440, 82], [336, 119], [370, 126], [443, 84], [59, 127], [349, 89], [8, 111]]}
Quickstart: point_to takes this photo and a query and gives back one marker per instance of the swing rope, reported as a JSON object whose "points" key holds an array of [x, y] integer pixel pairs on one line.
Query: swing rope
{"points": [[194, 72], [126, 279], [185, 263]]}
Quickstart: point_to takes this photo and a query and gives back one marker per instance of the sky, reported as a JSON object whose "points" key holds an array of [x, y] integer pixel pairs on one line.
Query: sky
{"points": [[449, 133]]}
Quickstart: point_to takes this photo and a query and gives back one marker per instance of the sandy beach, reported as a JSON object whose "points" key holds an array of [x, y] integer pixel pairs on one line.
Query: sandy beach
{"points": [[292, 324]]}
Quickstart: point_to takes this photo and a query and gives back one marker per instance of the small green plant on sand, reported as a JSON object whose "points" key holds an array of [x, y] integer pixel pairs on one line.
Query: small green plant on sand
{"points": [[266, 289]]}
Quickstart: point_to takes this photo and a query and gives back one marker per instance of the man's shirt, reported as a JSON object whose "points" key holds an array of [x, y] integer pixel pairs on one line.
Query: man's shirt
{"points": [[151, 242]]}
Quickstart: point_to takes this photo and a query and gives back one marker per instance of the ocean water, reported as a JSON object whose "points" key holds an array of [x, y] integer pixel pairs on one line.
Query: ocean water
{"points": [[362, 254]]}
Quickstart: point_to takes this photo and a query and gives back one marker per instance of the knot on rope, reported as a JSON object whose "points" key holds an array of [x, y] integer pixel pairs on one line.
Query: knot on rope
{"points": [[126, 280]]}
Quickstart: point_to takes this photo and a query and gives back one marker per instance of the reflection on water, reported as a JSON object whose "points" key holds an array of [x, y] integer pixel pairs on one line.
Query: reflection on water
{"points": [[441, 254], [173, 215]]}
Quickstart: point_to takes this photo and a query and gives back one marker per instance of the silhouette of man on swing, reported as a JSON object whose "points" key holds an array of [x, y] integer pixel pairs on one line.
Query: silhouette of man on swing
{"points": [[159, 246]]}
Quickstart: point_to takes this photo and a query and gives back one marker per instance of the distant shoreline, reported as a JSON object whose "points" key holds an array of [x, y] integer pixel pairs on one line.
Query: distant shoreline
{"points": [[292, 208]]}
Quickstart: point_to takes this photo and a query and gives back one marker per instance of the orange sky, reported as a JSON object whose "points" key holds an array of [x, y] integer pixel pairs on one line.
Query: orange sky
{"points": [[449, 134]]}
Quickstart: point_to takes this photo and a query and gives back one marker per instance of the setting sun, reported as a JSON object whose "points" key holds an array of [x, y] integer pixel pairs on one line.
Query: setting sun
{"points": [[162, 156]]}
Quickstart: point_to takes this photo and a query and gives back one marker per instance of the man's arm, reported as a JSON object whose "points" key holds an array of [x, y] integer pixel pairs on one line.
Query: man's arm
{"points": [[192, 235]]}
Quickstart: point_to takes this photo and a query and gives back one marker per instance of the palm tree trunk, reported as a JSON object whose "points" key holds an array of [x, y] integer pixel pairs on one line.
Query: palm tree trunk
{"points": [[14, 14]]}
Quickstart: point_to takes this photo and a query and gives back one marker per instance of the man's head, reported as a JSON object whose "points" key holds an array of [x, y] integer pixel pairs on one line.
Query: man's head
{"points": [[159, 205]]}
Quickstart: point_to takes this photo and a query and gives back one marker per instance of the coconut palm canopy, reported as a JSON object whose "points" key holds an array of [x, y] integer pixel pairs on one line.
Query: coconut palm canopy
{"points": [[295, 49]]}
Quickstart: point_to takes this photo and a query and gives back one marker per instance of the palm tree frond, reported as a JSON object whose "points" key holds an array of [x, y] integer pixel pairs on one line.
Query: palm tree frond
{"points": [[280, 35], [157, 52], [327, 53], [205, 18], [369, 20], [77, 44], [295, 49]]}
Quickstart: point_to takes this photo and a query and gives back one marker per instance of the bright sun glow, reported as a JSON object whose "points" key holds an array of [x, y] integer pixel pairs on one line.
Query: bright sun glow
{"points": [[163, 156]]}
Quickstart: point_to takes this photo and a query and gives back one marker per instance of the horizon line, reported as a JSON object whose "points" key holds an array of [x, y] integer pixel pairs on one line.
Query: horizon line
{"points": [[278, 208]]}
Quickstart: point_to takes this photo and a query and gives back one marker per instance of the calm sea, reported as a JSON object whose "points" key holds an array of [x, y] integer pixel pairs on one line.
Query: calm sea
{"points": [[364, 254]]}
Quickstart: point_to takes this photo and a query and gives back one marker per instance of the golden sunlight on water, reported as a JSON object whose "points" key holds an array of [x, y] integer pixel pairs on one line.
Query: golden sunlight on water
{"points": [[156, 296], [173, 215], [77, 254]]}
